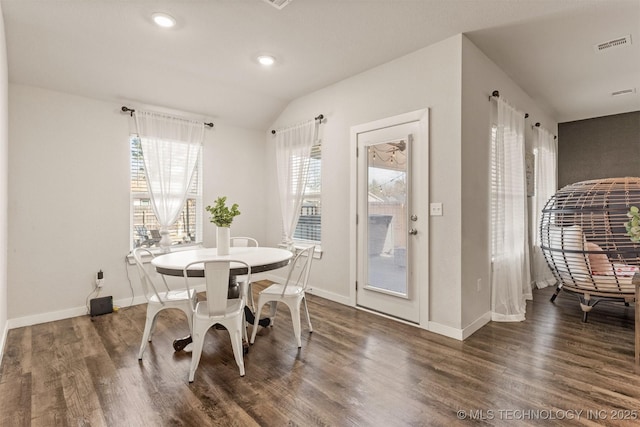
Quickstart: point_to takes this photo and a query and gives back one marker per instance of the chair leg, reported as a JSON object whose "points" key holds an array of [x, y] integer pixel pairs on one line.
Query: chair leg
{"points": [[250, 293], [245, 335], [295, 318], [236, 343], [306, 310], [273, 309], [153, 325], [148, 330], [255, 321], [198, 343]]}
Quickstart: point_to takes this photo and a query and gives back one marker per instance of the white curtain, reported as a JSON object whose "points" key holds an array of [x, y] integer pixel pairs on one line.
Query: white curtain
{"points": [[170, 149], [545, 149], [510, 279], [293, 154]]}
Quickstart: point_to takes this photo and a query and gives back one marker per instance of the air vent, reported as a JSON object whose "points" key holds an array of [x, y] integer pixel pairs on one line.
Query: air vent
{"points": [[623, 92], [278, 4], [619, 42]]}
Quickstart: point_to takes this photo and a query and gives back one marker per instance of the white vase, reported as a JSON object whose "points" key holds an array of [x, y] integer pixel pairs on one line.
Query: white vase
{"points": [[223, 236]]}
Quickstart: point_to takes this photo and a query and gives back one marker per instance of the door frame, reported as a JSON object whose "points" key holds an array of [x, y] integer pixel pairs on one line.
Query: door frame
{"points": [[420, 179]]}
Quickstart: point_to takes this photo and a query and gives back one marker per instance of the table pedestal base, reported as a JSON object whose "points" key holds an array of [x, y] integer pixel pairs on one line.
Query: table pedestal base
{"points": [[181, 343]]}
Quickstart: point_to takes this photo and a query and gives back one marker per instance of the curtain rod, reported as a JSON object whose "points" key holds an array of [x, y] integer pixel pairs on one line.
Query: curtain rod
{"points": [[538, 125], [319, 118], [131, 111], [496, 94]]}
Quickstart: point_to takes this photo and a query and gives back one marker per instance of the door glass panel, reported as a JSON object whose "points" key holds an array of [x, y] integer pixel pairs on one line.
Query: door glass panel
{"points": [[387, 212]]}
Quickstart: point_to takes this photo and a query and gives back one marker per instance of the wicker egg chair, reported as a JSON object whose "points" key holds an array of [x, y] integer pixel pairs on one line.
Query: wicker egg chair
{"points": [[585, 242]]}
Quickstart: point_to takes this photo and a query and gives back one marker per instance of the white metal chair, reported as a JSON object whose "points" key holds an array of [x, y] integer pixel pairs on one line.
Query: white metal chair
{"points": [[218, 309], [291, 293], [158, 300], [245, 242]]}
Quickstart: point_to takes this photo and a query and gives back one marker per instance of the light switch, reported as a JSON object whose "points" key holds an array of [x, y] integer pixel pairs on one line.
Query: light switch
{"points": [[435, 209]]}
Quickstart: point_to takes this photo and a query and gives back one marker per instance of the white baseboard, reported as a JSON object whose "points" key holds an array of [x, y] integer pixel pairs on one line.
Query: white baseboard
{"points": [[340, 299], [477, 324], [460, 334], [52, 316], [3, 341], [447, 331]]}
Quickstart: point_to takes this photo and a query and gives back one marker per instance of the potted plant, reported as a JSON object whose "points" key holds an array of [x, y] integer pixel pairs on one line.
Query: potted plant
{"points": [[222, 216]]}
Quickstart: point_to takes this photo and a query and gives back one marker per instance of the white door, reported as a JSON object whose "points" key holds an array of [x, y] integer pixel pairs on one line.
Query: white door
{"points": [[392, 222]]}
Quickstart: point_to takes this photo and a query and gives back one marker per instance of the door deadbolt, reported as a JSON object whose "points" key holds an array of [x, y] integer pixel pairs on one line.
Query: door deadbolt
{"points": [[413, 231]]}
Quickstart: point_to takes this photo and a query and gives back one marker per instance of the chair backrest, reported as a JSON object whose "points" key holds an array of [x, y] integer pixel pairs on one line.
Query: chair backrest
{"points": [[302, 261], [216, 274], [148, 287], [244, 242]]}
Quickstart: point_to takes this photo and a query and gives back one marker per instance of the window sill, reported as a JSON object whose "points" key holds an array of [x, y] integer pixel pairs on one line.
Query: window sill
{"points": [[158, 251], [317, 253]]}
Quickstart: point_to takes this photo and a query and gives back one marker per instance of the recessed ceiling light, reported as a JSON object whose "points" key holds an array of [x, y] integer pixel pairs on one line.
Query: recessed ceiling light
{"points": [[163, 20], [266, 60]]}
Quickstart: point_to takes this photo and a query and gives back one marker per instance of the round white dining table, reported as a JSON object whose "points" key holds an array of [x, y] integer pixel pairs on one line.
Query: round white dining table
{"points": [[259, 258]]}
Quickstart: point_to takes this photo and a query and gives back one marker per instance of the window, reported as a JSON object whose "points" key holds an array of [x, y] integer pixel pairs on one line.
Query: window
{"points": [[144, 225], [309, 225]]}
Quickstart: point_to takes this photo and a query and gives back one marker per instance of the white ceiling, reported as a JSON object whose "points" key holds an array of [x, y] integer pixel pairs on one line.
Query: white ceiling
{"points": [[110, 50]]}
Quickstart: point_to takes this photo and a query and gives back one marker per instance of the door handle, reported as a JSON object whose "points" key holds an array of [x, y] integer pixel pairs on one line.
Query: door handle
{"points": [[413, 231]]}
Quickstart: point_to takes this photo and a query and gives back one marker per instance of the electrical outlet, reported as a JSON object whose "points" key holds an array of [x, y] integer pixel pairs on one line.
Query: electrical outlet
{"points": [[100, 279]]}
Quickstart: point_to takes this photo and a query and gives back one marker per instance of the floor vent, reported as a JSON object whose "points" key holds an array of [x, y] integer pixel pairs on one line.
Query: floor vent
{"points": [[278, 4], [619, 42]]}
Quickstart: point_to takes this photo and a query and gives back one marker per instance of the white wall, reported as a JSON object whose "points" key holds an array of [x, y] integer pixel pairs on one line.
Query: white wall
{"points": [[428, 78], [454, 80], [4, 174], [69, 198], [480, 77]]}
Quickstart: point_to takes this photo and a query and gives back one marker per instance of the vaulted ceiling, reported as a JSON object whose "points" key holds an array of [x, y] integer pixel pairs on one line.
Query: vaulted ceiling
{"points": [[111, 50]]}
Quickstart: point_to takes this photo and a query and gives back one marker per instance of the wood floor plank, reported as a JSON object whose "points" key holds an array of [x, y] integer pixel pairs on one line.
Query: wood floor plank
{"points": [[16, 394], [355, 369]]}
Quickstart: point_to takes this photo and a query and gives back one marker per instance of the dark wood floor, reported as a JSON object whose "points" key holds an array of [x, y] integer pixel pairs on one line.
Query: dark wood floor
{"points": [[356, 369]]}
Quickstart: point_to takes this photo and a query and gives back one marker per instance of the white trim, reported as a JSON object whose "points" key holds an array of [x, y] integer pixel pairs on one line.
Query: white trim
{"points": [[386, 316], [475, 325], [312, 290], [447, 331], [52, 316], [303, 244], [3, 341], [422, 117], [460, 334], [158, 251], [340, 299]]}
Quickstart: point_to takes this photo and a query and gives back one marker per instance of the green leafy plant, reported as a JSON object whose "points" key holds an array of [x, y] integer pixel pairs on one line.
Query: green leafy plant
{"points": [[633, 225], [221, 215]]}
